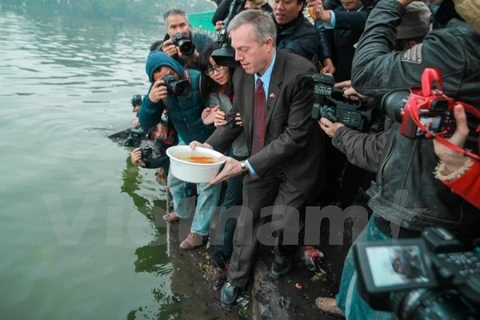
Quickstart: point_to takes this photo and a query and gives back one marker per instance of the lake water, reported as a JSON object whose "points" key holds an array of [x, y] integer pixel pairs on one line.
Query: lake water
{"points": [[78, 236]]}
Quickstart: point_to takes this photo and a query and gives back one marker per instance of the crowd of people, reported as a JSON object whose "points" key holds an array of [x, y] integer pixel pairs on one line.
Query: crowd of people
{"points": [[279, 159]]}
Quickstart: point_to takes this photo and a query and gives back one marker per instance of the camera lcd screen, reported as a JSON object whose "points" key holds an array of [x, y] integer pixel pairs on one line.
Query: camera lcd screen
{"points": [[396, 265]]}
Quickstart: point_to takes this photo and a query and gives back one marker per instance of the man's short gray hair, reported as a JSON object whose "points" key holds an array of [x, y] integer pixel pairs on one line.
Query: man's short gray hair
{"points": [[263, 25], [174, 12]]}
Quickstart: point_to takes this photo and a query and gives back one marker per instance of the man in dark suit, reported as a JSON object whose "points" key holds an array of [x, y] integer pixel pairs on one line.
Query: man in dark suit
{"points": [[286, 148]]}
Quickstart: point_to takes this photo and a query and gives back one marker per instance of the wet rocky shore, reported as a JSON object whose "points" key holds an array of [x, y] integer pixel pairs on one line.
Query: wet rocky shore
{"points": [[196, 283]]}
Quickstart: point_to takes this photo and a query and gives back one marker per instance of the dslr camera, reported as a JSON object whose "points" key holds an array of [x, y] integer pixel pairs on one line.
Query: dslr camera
{"points": [[184, 43], [179, 88], [433, 277], [135, 137], [147, 152], [422, 111], [331, 104], [136, 100]]}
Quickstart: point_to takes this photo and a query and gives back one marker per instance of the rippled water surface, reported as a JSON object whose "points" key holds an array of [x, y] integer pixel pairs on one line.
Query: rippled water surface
{"points": [[78, 238]]}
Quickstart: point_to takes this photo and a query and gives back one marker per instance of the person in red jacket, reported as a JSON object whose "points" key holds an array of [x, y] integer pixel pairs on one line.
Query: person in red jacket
{"points": [[460, 173]]}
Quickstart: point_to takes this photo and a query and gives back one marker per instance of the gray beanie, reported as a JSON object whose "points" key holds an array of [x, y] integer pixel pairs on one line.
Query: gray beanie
{"points": [[415, 22]]}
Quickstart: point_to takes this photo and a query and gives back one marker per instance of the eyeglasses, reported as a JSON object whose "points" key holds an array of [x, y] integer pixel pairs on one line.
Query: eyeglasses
{"points": [[212, 70]]}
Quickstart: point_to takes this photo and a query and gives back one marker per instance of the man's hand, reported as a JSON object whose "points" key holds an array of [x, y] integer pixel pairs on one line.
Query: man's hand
{"points": [[136, 157], [169, 48], [195, 144], [329, 127], [349, 92], [328, 67], [159, 91], [453, 160], [231, 168], [219, 25], [320, 13]]}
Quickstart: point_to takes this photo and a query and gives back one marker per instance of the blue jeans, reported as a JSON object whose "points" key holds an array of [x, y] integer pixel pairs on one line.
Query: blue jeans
{"points": [[348, 298], [207, 202]]}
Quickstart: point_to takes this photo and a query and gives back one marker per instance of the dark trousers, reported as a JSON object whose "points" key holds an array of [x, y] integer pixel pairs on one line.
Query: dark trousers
{"points": [[275, 197]]}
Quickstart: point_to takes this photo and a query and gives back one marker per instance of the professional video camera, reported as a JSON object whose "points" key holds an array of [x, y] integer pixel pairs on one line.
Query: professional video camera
{"points": [[179, 88], [136, 100], [424, 112], [432, 277], [225, 56], [184, 43], [331, 104]]}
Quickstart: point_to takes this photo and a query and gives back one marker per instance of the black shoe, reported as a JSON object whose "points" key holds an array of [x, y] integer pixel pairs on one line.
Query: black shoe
{"points": [[279, 270], [228, 295]]}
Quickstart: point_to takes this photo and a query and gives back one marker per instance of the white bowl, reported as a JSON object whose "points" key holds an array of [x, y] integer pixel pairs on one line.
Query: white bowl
{"points": [[193, 172]]}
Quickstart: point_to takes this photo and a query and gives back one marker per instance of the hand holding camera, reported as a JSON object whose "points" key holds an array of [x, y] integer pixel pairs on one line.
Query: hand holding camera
{"points": [[451, 159], [140, 155], [136, 157], [209, 115], [158, 92], [169, 48], [329, 127], [219, 26]]}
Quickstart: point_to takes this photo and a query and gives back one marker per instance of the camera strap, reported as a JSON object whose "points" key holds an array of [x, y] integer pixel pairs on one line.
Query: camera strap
{"points": [[421, 102]]}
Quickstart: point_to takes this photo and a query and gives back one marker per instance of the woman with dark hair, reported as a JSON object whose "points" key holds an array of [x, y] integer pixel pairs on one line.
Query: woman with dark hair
{"points": [[217, 92]]}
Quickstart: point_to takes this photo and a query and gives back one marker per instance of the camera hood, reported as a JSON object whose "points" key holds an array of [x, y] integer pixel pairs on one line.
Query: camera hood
{"points": [[225, 56]]}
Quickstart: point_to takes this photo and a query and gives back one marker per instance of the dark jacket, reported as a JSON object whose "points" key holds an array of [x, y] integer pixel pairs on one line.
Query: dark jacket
{"points": [[294, 142], [361, 149], [406, 191], [338, 43], [299, 37], [224, 8], [185, 114], [200, 41]]}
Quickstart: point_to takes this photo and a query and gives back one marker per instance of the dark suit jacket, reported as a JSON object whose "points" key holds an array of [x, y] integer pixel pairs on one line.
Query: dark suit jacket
{"points": [[339, 41], [294, 142]]}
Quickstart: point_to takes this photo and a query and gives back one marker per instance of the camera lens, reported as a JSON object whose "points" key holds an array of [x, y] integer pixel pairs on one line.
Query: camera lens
{"points": [[428, 304], [187, 47], [393, 104]]}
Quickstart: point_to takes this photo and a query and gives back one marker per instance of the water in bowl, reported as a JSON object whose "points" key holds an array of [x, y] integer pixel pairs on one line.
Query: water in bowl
{"points": [[195, 157]]}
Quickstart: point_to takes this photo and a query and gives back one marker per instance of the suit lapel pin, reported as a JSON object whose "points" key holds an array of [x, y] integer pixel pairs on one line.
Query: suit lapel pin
{"points": [[272, 95]]}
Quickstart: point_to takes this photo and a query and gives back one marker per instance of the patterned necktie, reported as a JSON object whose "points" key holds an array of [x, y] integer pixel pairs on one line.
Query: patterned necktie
{"points": [[259, 127]]}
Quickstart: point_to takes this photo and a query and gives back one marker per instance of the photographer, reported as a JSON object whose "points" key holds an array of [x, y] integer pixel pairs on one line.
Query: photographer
{"points": [[179, 36], [339, 30], [178, 88], [163, 139], [363, 149], [222, 11], [407, 197]]}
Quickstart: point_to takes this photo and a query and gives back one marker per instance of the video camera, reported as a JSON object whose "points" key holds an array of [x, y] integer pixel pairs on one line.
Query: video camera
{"points": [[331, 104], [432, 277], [184, 43], [225, 56], [179, 88]]}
